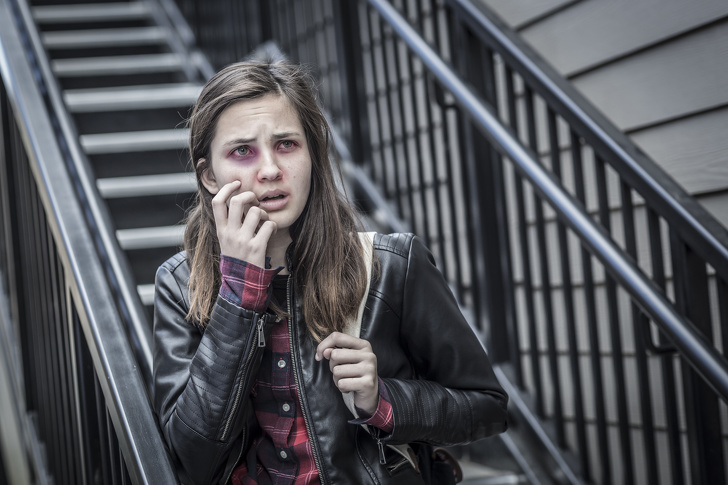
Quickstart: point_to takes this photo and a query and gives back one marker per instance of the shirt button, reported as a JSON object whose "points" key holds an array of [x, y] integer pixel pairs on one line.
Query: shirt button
{"points": [[283, 454], [286, 407], [281, 363]]}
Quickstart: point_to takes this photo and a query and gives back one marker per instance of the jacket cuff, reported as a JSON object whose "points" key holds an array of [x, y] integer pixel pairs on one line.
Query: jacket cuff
{"points": [[245, 284], [383, 417]]}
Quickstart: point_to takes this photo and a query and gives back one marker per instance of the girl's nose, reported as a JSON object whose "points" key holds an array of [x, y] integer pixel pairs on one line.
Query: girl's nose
{"points": [[269, 169]]}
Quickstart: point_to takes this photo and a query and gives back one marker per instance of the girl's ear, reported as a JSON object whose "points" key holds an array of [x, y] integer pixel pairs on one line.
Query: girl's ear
{"points": [[208, 178]]}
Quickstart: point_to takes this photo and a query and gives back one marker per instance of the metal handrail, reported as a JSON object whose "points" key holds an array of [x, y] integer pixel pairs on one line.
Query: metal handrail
{"points": [[698, 351], [120, 380], [167, 13], [701, 230], [97, 214]]}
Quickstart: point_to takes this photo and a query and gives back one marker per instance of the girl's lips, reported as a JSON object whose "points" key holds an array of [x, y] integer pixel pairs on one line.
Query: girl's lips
{"points": [[275, 203]]}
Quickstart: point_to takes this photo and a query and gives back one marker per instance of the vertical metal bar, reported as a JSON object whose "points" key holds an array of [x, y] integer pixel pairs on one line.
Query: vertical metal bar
{"points": [[397, 106], [481, 207], [265, 20], [45, 325], [670, 396], [434, 168], [503, 327], [643, 375], [91, 451], [81, 448], [372, 19], [55, 335], [351, 68], [544, 258], [525, 256], [722, 296], [570, 320], [418, 155], [104, 440], [615, 336], [595, 357], [38, 344], [387, 37], [113, 447], [701, 404]]}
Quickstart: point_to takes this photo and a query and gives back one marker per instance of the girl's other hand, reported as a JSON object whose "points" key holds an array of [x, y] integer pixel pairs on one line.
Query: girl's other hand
{"points": [[354, 367], [243, 229]]}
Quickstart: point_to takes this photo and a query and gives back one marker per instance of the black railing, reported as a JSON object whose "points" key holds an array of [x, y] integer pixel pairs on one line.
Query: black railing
{"points": [[80, 399], [599, 284]]}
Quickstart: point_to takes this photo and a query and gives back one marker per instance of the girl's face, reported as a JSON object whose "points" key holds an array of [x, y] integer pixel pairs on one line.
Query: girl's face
{"points": [[261, 143]]}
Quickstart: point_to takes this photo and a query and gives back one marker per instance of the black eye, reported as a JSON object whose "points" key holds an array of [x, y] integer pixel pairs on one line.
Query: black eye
{"points": [[242, 151]]}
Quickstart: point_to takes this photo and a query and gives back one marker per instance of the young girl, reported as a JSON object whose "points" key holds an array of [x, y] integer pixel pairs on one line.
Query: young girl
{"points": [[252, 357]]}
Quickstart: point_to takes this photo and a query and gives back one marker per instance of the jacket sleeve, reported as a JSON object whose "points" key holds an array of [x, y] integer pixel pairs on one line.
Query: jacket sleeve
{"points": [[202, 380], [455, 397]]}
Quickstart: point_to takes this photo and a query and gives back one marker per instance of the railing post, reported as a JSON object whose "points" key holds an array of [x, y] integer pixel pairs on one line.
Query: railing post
{"points": [[353, 123], [702, 412], [266, 25], [492, 265]]}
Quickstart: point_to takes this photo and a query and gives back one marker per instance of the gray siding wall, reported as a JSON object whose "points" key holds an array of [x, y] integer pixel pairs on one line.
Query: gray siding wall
{"points": [[659, 70]]}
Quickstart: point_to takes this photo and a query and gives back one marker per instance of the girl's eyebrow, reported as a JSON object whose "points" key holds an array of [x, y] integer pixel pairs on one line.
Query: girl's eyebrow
{"points": [[276, 137], [288, 134], [239, 141]]}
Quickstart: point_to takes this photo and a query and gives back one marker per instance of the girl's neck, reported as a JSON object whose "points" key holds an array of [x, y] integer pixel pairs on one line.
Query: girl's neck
{"points": [[277, 246]]}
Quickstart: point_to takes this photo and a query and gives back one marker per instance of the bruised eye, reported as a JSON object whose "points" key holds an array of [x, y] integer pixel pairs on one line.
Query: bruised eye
{"points": [[242, 151], [287, 145]]}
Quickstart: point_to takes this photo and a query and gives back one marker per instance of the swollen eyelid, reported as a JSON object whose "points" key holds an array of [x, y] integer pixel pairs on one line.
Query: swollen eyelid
{"points": [[243, 151]]}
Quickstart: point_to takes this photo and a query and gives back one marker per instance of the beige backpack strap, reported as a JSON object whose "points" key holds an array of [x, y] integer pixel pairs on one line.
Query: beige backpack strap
{"points": [[353, 328]]}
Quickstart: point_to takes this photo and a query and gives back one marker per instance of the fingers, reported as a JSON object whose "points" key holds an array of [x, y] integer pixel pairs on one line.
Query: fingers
{"points": [[243, 228], [340, 340], [239, 206], [219, 203], [353, 366]]}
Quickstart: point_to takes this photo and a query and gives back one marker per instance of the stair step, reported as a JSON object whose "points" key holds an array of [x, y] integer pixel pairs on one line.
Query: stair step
{"points": [[131, 98], [90, 12], [134, 141], [150, 237], [117, 65], [477, 474], [146, 294], [132, 36], [147, 185]]}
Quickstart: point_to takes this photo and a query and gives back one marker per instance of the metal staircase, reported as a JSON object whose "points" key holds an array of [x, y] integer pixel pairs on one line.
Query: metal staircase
{"points": [[128, 87], [126, 82]]}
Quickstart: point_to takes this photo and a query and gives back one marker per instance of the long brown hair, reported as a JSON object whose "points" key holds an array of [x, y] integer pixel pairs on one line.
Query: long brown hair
{"points": [[327, 267]]}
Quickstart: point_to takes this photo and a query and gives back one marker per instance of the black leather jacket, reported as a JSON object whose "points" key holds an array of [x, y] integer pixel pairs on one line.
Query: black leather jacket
{"points": [[441, 385]]}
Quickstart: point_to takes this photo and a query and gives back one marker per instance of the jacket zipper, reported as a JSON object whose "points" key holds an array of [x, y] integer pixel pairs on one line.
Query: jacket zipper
{"points": [[239, 389], [298, 381], [240, 453]]}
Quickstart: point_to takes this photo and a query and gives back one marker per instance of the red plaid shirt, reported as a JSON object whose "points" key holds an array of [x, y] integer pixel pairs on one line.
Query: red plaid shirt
{"points": [[282, 452]]}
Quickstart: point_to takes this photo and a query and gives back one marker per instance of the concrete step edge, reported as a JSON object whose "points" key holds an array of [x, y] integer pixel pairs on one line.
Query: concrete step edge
{"points": [[98, 38], [150, 237], [134, 141], [147, 185], [146, 294], [116, 65], [90, 12], [131, 98]]}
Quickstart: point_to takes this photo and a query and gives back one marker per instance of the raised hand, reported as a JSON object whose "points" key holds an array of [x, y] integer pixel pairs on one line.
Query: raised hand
{"points": [[243, 228], [354, 367]]}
